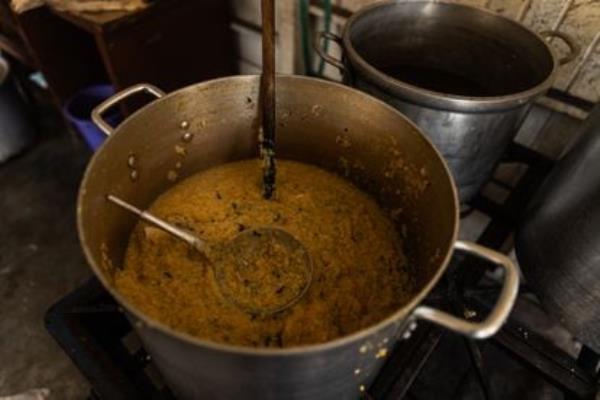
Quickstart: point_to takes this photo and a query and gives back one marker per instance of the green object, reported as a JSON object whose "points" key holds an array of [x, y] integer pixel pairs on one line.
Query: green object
{"points": [[307, 50]]}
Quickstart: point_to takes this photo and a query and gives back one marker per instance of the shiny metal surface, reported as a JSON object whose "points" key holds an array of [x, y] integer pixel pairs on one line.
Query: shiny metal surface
{"points": [[18, 129], [171, 229], [329, 125], [119, 97], [319, 48], [504, 65], [471, 143], [504, 304], [574, 48]]}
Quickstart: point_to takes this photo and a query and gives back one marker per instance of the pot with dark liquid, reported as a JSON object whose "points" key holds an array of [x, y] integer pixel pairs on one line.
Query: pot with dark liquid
{"points": [[327, 125], [464, 75]]}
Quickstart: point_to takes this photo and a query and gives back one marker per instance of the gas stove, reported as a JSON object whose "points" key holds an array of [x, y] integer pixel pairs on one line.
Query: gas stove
{"points": [[518, 362]]}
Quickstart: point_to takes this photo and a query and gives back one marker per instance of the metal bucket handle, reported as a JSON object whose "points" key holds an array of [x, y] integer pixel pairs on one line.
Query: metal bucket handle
{"points": [[574, 48], [500, 312], [117, 98], [329, 59]]}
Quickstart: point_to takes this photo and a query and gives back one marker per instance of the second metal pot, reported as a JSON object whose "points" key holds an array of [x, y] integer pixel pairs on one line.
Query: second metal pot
{"points": [[465, 75]]}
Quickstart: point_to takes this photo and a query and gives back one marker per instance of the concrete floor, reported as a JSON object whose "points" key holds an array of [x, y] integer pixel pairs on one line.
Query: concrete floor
{"points": [[40, 261]]}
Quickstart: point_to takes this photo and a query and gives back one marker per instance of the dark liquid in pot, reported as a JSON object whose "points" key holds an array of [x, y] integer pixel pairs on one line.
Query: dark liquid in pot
{"points": [[436, 79]]}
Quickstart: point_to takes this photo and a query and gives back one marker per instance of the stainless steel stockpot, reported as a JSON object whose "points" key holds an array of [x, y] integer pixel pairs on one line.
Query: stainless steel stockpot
{"points": [[326, 124]]}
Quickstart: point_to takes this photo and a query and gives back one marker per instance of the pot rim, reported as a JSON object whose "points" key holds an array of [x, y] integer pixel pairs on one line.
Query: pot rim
{"points": [[399, 316], [439, 99]]}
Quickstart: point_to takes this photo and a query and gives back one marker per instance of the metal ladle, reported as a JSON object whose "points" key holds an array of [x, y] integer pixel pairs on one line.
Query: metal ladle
{"points": [[261, 271]]}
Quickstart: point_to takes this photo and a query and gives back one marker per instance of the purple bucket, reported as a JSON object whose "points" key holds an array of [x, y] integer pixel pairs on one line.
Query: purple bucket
{"points": [[78, 111]]}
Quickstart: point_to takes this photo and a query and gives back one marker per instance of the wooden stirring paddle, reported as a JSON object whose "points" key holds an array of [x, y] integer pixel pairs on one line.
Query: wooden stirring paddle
{"points": [[267, 95]]}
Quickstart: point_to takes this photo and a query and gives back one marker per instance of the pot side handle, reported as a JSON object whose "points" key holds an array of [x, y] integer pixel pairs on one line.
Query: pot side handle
{"points": [[500, 312], [117, 98], [574, 48], [324, 55]]}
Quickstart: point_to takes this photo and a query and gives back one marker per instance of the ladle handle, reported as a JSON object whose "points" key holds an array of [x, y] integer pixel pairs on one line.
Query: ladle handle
{"points": [[117, 98], [500, 312], [160, 224]]}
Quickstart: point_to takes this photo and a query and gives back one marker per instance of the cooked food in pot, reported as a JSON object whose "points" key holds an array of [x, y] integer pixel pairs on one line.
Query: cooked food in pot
{"points": [[360, 275]]}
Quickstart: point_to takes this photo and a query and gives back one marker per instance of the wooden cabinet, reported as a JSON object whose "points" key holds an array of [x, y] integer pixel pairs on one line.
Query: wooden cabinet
{"points": [[171, 44]]}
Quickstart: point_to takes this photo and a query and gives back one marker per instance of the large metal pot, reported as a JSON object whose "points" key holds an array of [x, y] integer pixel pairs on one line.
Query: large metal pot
{"points": [[16, 127], [464, 75], [321, 123]]}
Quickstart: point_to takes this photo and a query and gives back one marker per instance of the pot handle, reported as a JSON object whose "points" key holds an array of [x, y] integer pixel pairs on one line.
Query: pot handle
{"points": [[574, 48], [117, 98], [326, 56], [500, 312]]}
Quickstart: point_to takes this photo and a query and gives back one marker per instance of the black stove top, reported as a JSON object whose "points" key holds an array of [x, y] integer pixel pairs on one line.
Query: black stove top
{"points": [[433, 364]]}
